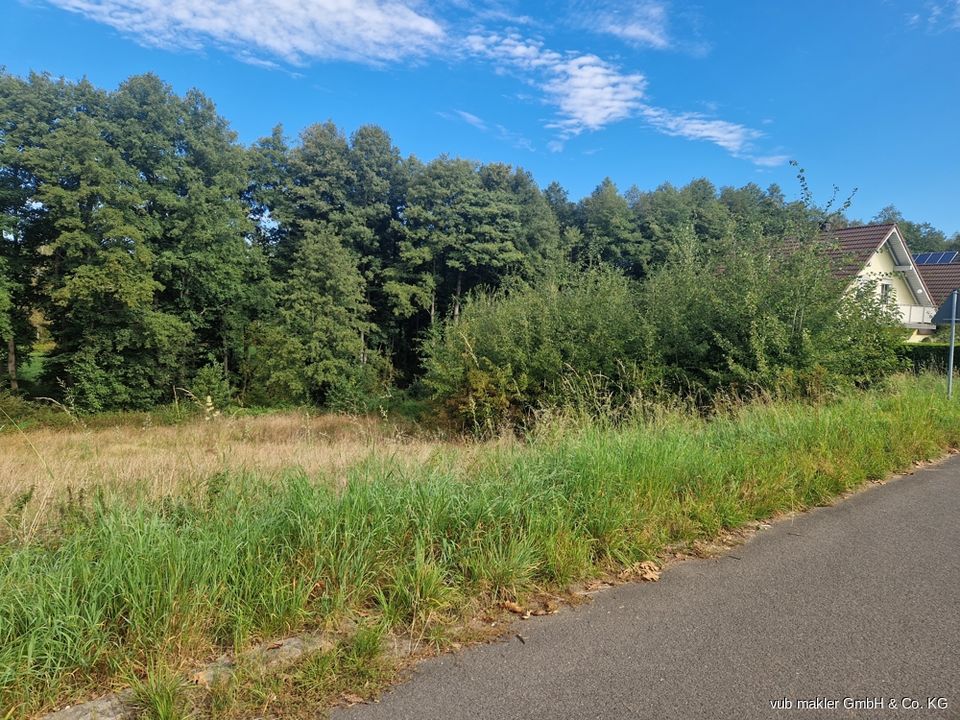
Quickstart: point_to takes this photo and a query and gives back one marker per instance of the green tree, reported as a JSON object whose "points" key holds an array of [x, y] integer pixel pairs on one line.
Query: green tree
{"points": [[193, 177], [559, 201], [268, 195], [30, 111], [610, 232], [6, 325], [113, 348], [324, 310], [920, 237], [461, 232]]}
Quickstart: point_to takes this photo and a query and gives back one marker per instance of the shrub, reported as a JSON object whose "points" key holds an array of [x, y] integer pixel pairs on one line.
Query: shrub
{"points": [[927, 356], [211, 382], [363, 389], [759, 318], [510, 353]]}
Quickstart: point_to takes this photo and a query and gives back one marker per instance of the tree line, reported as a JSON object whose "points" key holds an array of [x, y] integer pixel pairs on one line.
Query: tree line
{"points": [[145, 249]]}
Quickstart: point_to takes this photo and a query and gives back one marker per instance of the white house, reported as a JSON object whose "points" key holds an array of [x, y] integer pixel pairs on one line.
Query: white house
{"points": [[876, 255]]}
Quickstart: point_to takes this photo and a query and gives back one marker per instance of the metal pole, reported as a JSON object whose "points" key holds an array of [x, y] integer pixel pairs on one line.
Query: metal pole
{"points": [[953, 338]]}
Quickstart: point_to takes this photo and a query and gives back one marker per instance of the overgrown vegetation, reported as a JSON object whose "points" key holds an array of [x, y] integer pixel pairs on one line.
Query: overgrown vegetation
{"points": [[929, 357], [145, 251], [736, 319], [107, 586]]}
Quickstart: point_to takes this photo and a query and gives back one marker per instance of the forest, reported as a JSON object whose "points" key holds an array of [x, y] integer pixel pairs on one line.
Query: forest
{"points": [[146, 252]]}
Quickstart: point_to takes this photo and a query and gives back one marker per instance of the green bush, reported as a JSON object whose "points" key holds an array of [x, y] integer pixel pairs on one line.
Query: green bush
{"points": [[728, 318], [756, 318], [365, 388], [211, 382], [927, 356], [510, 353]]}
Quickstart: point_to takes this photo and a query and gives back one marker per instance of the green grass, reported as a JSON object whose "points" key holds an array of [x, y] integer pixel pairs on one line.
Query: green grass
{"points": [[113, 585], [161, 694]]}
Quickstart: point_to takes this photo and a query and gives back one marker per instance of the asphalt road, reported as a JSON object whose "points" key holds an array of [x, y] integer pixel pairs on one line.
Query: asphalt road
{"points": [[856, 601]]}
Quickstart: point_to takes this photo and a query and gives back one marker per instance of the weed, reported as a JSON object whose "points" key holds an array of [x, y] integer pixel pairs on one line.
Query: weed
{"points": [[160, 695]]}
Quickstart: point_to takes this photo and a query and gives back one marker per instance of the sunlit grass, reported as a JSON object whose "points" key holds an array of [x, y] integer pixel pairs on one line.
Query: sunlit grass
{"points": [[113, 582]]}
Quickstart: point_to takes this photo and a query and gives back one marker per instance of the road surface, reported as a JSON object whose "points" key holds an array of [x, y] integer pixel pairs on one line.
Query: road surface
{"points": [[854, 604]]}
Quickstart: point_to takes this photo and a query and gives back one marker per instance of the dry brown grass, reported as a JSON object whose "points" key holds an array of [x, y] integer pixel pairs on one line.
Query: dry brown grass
{"points": [[162, 460]]}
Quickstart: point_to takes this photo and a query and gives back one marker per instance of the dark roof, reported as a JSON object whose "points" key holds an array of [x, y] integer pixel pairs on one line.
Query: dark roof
{"points": [[852, 247], [941, 280]]}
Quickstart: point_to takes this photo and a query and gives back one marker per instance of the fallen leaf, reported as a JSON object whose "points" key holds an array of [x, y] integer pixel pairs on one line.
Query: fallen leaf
{"points": [[649, 571], [597, 584]]}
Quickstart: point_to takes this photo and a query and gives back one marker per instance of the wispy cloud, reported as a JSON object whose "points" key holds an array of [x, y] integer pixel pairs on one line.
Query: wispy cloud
{"points": [[643, 24], [295, 31], [471, 119], [587, 92], [737, 139], [936, 16], [501, 132], [514, 138], [732, 137], [768, 161]]}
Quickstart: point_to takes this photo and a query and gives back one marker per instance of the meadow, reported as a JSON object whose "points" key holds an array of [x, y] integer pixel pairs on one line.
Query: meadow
{"points": [[133, 554]]}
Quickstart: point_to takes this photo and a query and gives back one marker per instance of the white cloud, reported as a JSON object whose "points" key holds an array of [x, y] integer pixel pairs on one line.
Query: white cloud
{"points": [[733, 137], [643, 24], [768, 161], [295, 31], [471, 119], [516, 139], [737, 139], [938, 16], [500, 131], [587, 92], [590, 93]]}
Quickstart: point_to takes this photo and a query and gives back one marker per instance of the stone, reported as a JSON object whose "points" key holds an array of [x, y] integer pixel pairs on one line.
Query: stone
{"points": [[118, 706]]}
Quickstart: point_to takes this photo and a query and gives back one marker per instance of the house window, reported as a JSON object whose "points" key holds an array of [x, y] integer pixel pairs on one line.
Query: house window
{"points": [[886, 292]]}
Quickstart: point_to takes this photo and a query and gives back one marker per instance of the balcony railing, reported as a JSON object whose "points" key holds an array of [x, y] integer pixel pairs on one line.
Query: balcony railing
{"points": [[917, 314]]}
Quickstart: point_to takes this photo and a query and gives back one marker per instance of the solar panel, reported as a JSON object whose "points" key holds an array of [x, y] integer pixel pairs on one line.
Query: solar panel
{"points": [[936, 258]]}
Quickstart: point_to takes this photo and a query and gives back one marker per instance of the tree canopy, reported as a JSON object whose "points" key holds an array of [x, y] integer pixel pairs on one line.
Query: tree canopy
{"points": [[144, 249]]}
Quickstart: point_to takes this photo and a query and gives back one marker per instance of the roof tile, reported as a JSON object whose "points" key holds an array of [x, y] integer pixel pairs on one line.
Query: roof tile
{"points": [[853, 246], [941, 280]]}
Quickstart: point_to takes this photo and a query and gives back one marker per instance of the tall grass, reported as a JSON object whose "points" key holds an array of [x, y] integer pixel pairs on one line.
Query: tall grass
{"points": [[109, 585]]}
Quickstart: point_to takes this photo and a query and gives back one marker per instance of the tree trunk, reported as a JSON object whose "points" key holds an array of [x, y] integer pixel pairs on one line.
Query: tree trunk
{"points": [[12, 364], [456, 298], [226, 355]]}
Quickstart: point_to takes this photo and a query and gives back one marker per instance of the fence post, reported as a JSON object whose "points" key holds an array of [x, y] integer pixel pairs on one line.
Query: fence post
{"points": [[953, 337]]}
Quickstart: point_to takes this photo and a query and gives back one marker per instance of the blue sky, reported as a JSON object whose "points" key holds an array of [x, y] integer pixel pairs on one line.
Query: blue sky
{"points": [[862, 93]]}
